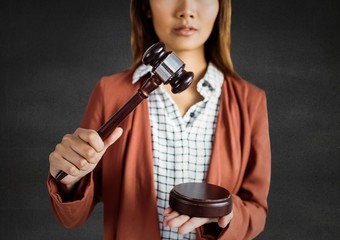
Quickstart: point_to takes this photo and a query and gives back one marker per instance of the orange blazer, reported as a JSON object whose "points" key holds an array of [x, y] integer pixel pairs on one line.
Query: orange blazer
{"points": [[124, 179]]}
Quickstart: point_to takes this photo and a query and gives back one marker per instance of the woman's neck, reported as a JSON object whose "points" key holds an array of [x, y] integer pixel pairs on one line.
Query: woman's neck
{"points": [[195, 62]]}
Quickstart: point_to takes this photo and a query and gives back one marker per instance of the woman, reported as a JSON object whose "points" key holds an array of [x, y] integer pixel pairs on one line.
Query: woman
{"points": [[215, 131]]}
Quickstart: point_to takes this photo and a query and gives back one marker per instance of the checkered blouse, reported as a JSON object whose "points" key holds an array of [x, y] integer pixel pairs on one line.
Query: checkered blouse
{"points": [[181, 145]]}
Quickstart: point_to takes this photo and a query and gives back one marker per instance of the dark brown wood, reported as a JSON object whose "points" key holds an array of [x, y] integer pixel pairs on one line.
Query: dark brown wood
{"points": [[167, 68], [106, 129], [200, 200]]}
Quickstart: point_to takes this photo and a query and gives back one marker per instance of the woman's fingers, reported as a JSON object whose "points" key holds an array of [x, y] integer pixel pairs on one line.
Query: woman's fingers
{"points": [[186, 224], [191, 224], [68, 153], [86, 143], [77, 154], [224, 221], [91, 137], [167, 211], [113, 137], [174, 219], [57, 163]]}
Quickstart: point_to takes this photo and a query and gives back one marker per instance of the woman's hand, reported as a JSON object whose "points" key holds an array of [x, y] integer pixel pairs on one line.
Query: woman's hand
{"points": [[79, 153], [186, 224]]}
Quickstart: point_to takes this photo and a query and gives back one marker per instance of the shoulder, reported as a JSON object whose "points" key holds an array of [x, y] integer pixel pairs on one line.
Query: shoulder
{"points": [[117, 86], [243, 87], [243, 91], [121, 79], [113, 91], [243, 95]]}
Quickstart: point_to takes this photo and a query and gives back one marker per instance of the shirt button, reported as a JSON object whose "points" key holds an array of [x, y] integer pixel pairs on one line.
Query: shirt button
{"points": [[192, 114]]}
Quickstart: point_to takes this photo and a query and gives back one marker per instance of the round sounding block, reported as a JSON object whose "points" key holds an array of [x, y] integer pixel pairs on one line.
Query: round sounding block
{"points": [[200, 200]]}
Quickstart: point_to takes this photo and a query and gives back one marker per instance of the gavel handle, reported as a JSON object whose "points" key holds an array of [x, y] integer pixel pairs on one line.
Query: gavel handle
{"points": [[106, 129]]}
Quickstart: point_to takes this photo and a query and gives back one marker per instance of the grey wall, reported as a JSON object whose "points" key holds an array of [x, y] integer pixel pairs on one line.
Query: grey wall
{"points": [[53, 52]]}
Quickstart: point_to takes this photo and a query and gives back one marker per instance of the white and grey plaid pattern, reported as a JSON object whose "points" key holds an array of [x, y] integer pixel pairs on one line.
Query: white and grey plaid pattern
{"points": [[182, 145]]}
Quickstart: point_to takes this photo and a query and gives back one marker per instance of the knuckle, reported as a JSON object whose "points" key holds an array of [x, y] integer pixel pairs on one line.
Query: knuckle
{"points": [[90, 155], [51, 157], [78, 130], [92, 135], [58, 147], [84, 165], [73, 171], [66, 138]]}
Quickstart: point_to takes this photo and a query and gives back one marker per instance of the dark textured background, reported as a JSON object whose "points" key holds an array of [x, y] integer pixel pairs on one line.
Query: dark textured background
{"points": [[53, 52]]}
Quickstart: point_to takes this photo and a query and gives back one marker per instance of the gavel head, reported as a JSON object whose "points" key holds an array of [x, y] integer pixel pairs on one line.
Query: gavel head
{"points": [[167, 67]]}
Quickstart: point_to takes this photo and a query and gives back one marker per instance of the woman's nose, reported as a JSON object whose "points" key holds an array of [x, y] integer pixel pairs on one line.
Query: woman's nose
{"points": [[186, 9]]}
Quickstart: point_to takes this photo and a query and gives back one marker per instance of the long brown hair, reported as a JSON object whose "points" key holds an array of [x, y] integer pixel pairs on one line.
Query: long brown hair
{"points": [[217, 47]]}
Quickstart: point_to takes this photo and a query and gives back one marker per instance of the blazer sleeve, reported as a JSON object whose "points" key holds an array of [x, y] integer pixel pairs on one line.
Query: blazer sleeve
{"points": [[75, 211], [250, 202]]}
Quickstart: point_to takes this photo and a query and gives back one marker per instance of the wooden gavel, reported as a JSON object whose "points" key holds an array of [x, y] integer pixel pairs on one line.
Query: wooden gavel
{"points": [[167, 68]]}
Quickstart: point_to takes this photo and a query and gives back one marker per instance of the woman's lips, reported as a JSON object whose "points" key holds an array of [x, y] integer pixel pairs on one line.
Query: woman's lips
{"points": [[185, 30]]}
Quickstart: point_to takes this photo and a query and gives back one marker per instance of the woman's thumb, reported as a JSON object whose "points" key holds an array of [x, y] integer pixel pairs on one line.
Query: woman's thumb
{"points": [[113, 137]]}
